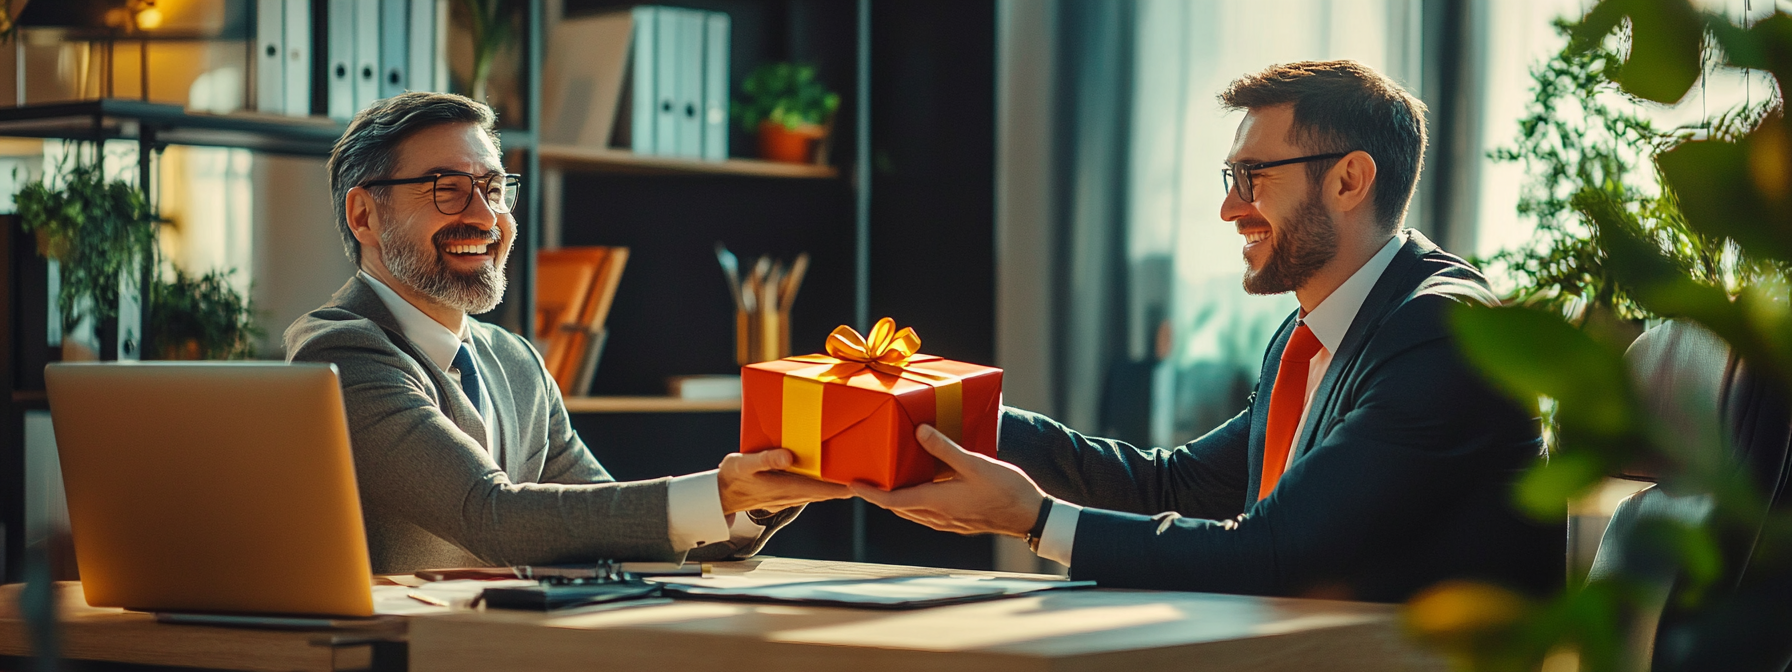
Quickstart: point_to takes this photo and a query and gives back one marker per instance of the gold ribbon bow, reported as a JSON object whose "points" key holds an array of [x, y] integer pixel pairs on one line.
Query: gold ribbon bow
{"points": [[887, 351]]}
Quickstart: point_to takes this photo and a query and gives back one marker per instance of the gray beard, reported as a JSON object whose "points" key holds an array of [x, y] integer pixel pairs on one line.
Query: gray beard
{"points": [[1297, 250], [421, 267]]}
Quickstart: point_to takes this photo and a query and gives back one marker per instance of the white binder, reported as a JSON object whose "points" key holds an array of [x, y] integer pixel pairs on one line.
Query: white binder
{"points": [[270, 56], [690, 83], [367, 52], [715, 86], [298, 57], [341, 63], [423, 43], [644, 73], [668, 60], [395, 54]]}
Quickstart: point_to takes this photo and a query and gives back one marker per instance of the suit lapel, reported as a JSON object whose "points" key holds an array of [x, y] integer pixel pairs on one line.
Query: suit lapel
{"points": [[358, 298], [1395, 283]]}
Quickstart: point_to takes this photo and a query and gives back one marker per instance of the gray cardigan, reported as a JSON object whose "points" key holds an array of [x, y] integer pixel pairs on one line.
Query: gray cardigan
{"points": [[431, 493]]}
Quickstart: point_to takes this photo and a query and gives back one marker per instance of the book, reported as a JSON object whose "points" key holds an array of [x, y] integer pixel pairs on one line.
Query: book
{"points": [[367, 53], [270, 56], [576, 285], [427, 39], [667, 63], [587, 67], [643, 73], [395, 52], [716, 30], [704, 387], [340, 68], [297, 68], [690, 83]]}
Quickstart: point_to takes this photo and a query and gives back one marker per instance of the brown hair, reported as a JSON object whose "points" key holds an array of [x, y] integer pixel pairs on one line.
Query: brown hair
{"points": [[369, 150], [1344, 106]]}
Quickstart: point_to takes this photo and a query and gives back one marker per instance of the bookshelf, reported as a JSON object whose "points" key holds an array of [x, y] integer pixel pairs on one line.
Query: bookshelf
{"points": [[610, 160], [620, 404], [934, 69]]}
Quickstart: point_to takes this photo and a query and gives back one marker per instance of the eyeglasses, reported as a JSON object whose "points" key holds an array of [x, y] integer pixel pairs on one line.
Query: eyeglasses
{"points": [[1242, 172], [454, 191]]}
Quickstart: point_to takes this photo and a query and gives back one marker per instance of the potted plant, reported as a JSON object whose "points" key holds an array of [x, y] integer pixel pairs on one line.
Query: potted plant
{"points": [[788, 108], [102, 236], [1727, 186], [201, 318]]}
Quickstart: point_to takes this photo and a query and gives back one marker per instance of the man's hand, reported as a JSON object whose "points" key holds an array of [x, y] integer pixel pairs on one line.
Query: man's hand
{"points": [[756, 481], [983, 495]]}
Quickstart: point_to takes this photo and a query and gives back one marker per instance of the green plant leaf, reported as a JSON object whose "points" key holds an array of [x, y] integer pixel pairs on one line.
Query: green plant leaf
{"points": [[1666, 38], [1531, 353], [1718, 195], [1546, 488], [1599, 22]]}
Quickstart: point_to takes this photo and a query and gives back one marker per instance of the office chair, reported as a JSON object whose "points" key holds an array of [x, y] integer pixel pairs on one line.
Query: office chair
{"points": [[1707, 397]]}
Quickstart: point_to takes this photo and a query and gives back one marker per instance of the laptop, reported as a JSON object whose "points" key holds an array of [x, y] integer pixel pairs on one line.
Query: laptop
{"points": [[216, 487]]}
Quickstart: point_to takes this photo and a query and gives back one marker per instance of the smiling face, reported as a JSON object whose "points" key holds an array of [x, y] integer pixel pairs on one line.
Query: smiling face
{"points": [[1288, 234], [455, 260]]}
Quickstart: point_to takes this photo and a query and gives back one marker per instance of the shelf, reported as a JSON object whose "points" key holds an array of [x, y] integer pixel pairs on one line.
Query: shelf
{"points": [[650, 405], [117, 119], [604, 159]]}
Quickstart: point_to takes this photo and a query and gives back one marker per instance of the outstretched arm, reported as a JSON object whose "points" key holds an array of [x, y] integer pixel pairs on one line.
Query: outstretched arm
{"points": [[1203, 478]]}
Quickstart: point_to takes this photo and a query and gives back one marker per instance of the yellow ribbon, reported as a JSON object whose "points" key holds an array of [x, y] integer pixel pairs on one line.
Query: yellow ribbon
{"points": [[886, 351]]}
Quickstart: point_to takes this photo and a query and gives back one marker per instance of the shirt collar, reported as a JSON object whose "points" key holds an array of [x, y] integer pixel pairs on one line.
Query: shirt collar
{"points": [[1332, 317], [436, 341]]}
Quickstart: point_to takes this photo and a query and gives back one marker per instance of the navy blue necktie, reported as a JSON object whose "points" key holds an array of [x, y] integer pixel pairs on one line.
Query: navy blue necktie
{"points": [[469, 377]]}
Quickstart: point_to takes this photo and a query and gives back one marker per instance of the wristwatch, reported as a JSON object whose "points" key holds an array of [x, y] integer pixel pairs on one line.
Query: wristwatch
{"points": [[1033, 535]]}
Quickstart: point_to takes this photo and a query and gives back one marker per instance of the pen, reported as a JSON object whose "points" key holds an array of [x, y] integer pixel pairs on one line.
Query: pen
{"points": [[426, 599]]}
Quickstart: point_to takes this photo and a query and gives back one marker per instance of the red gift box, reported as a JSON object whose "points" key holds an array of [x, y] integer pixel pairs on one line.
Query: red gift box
{"points": [[850, 415]]}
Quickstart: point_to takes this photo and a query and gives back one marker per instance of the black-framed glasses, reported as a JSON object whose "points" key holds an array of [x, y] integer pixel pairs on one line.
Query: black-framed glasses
{"points": [[454, 191], [1241, 172]]}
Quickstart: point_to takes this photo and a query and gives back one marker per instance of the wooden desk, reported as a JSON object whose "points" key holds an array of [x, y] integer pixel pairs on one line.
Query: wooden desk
{"points": [[1069, 630], [116, 635]]}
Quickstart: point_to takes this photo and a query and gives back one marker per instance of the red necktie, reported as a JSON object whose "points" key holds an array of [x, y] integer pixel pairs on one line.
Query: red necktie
{"points": [[1286, 400]]}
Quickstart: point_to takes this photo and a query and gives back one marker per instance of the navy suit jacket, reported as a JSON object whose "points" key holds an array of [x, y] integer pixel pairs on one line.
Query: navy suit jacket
{"points": [[1403, 480]]}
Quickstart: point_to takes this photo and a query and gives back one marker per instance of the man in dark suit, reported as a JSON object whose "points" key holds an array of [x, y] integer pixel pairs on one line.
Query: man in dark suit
{"points": [[1371, 462]]}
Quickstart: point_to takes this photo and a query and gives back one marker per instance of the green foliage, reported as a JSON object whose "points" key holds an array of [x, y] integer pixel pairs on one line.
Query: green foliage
{"points": [[785, 93], [205, 312], [492, 26], [98, 230], [1710, 246], [1582, 139]]}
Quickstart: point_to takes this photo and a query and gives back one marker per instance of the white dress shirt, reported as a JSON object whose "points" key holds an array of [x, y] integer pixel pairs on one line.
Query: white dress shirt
{"points": [[693, 501], [1329, 321]]}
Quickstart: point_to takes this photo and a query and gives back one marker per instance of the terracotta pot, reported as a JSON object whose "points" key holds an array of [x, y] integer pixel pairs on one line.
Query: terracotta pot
{"points": [[777, 143], [187, 350]]}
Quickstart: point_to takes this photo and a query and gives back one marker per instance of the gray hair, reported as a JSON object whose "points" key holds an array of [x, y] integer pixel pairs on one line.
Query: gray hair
{"points": [[369, 150]]}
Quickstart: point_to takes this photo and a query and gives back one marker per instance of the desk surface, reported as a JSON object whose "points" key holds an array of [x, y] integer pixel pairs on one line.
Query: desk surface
{"points": [[1068, 630], [116, 635]]}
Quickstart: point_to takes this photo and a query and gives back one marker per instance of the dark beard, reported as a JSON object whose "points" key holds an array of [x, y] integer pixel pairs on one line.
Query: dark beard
{"points": [[421, 267], [1298, 249]]}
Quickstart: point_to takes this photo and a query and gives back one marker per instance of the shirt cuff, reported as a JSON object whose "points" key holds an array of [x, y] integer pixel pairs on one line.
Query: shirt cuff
{"points": [[1060, 532], [694, 511]]}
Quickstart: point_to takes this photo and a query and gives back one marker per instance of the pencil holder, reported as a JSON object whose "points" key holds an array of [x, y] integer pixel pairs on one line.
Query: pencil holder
{"points": [[763, 294], [761, 336]]}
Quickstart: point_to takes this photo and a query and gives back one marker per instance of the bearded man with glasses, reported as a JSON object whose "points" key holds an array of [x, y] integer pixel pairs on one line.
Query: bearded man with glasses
{"points": [[463, 450], [1370, 463]]}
